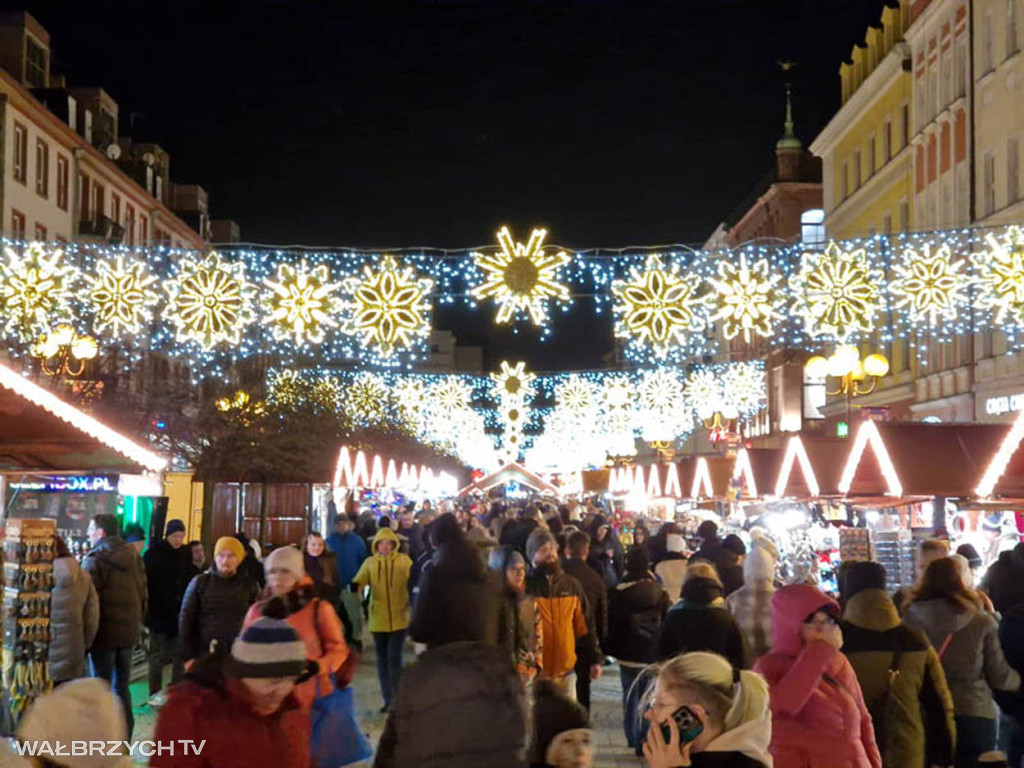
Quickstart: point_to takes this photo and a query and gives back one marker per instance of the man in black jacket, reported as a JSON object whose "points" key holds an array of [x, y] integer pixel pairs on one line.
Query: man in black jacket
{"points": [[215, 602], [577, 550], [120, 579], [168, 572]]}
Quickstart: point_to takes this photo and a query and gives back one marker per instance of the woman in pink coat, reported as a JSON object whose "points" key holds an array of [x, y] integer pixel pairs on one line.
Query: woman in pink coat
{"points": [[818, 712]]}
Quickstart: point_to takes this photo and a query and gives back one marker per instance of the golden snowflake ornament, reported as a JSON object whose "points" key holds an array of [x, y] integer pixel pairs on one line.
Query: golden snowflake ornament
{"points": [[747, 298], [287, 388], [366, 398], [300, 303], [521, 277], [327, 393], [388, 307], [837, 292], [930, 286], [35, 289], [410, 394], [576, 395], [122, 297], [451, 396], [1000, 273], [617, 395], [657, 307], [210, 301], [513, 382]]}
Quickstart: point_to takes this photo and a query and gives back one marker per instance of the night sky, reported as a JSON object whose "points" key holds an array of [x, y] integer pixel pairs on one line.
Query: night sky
{"points": [[377, 124]]}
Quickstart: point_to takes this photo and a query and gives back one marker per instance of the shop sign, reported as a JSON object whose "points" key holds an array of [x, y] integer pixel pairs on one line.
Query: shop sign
{"points": [[66, 484], [997, 406]]}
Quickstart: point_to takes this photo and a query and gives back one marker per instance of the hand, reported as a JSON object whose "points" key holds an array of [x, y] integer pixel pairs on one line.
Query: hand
{"points": [[833, 635], [662, 755], [188, 665], [595, 672]]}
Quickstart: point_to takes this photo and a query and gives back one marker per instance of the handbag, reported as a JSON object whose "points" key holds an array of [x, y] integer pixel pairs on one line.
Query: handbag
{"points": [[337, 739]]}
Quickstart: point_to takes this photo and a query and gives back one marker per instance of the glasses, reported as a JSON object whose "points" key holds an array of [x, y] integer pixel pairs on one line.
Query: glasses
{"points": [[821, 622]]}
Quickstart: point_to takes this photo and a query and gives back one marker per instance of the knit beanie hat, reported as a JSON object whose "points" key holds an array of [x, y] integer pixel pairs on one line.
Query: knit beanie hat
{"points": [[734, 543], [504, 558], [968, 551], [80, 710], [553, 713], [286, 559], [134, 532], [861, 576], [229, 544], [174, 526], [267, 648], [539, 538]]}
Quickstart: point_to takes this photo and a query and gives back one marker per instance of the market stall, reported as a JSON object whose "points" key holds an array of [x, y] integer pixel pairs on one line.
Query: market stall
{"points": [[508, 474]]}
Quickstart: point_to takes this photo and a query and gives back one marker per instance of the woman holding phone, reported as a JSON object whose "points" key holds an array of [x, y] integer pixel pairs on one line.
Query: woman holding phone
{"points": [[705, 712]]}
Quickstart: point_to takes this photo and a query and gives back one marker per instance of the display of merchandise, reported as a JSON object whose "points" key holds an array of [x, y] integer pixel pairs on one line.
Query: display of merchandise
{"points": [[895, 551], [29, 552], [854, 544]]}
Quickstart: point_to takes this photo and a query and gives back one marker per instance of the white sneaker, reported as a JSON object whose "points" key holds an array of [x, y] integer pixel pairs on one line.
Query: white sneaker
{"points": [[157, 700]]}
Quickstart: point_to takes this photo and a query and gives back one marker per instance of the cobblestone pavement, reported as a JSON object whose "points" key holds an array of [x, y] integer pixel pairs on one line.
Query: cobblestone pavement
{"points": [[606, 702]]}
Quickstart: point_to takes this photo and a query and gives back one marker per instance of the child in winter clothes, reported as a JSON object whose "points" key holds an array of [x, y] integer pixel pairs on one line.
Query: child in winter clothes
{"points": [[561, 736], [819, 719]]}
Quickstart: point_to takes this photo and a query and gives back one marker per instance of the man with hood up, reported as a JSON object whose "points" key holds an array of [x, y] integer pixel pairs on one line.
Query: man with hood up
{"points": [[1004, 581], [386, 573], [751, 604]]}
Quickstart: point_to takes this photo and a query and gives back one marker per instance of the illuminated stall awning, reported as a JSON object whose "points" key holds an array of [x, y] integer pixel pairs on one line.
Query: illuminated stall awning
{"points": [[511, 473], [755, 471], [914, 459], [811, 467], [1003, 477], [706, 478], [40, 431]]}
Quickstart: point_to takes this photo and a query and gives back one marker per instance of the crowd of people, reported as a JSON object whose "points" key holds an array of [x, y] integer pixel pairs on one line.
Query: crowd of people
{"points": [[513, 612]]}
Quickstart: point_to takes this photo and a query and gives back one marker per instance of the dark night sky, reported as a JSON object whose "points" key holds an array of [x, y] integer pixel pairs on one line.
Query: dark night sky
{"points": [[378, 124]]}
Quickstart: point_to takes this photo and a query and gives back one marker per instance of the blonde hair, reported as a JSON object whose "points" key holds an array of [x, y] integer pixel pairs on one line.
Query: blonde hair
{"points": [[701, 569], [730, 696]]}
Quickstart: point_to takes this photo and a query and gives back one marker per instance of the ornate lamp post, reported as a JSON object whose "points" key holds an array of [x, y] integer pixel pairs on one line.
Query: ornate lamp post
{"points": [[855, 376], [63, 352]]}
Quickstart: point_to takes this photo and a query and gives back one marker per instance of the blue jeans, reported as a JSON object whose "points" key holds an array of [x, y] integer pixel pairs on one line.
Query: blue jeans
{"points": [[389, 662], [974, 735], [115, 666], [632, 691]]}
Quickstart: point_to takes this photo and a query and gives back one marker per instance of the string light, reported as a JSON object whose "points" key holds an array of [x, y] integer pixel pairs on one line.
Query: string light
{"points": [[122, 298], [210, 301], [795, 451], [868, 435], [836, 292], [930, 286], [1001, 275], [748, 298], [997, 467], [388, 307], [35, 289], [300, 303]]}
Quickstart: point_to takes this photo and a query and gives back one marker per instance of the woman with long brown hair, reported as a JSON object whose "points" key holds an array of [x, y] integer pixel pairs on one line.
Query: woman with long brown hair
{"points": [[967, 641]]}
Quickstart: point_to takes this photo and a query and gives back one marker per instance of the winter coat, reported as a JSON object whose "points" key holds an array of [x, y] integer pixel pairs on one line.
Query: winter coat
{"points": [[74, 619], [120, 579], [562, 606], [909, 701], [458, 706], [168, 572], [751, 604], [453, 606], [319, 628], [596, 589], [388, 579], [607, 556], [350, 550], [699, 622], [216, 710], [973, 659], [324, 572], [819, 718], [636, 610], [1004, 580], [671, 569], [213, 609], [745, 746], [519, 633]]}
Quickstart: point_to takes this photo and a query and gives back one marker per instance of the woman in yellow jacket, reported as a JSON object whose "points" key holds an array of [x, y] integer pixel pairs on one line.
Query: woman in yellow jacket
{"points": [[386, 573]]}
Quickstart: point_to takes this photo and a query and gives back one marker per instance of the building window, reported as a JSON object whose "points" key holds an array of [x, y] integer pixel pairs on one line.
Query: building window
{"points": [[871, 156], [98, 200], [35, 63], [960, 67], [855, 170], [1012, 43], [887, 224], [844, 181], [129, 224], [40, 232], [62, 182], [886, 141], [115, 207], [84, 196], [143, 230], [20, 153], [933, 93], [988, 184], [985, 45], [947, 76], [812, 228], [42, 168], [904, 125], [1012, 170], [904, 219], [17, 225]]}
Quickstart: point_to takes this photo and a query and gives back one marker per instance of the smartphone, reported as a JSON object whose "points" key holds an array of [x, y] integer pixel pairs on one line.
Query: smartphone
{"points": [[690, 726]]}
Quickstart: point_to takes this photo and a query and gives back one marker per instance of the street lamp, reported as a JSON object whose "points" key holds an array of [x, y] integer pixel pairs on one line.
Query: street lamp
{"points": [[856, 376], [63, 352]]}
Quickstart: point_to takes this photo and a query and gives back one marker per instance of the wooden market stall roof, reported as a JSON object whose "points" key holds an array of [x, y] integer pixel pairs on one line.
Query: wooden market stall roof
{"points": [[917, 459], [811, 467], [705, 477], [511, 472], [39, 431], [755, 471], [1004, 475]]}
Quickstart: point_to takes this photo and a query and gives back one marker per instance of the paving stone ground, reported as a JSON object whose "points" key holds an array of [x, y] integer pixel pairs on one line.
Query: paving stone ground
{"points": [[606, 719]]}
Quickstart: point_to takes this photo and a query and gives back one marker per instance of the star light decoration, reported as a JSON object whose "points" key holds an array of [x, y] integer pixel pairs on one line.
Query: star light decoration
{"points": [[662, 415], [513, 382], [366, 398], [513, 385], [836, 292], [658, 307], [748, 298], [327, 393], [210, 301], [122, 298], [576, 395], [301, 303], [287, 388], [930, 286], [704, 393], [1000, 273], [387, 307], [743, 388], [521, 278], [35, 290]]}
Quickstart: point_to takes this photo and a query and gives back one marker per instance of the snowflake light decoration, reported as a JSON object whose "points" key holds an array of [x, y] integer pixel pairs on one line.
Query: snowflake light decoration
{"points": [[410, 395], [743, 388], [576, 395], [366, 398], [513, 382], [327, 393], [658, 307], [122, 298], [836, 292], [35, 288], [387, 307], [617, 394], [287, 389], [301, 303], [521, 278], [704, 393], [451, 396], [1000, 273], [929, 285], [748, 299], [661, 391], [210, 301]]}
